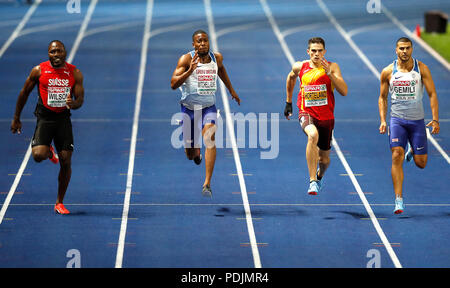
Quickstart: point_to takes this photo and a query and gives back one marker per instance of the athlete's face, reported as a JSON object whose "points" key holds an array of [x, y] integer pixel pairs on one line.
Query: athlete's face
{"points": [[57, 54], [404, 51], [201, 44], [316, 51]]}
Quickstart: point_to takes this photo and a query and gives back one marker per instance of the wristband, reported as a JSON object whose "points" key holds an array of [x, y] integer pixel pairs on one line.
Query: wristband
{"points": [[435, 121]]}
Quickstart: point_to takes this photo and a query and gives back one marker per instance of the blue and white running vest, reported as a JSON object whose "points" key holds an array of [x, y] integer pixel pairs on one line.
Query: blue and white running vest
{"points": [[199, 89], [406, 90]]}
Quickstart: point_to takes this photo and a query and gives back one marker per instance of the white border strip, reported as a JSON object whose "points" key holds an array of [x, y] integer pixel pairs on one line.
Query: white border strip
{"points": [[230, 126], [19, 27], [28, 153], [137, 108]]}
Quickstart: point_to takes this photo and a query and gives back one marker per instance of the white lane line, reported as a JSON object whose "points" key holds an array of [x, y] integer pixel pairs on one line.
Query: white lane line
{"points": [[433, 53], [234, 204], [375, 26], [367, 206], [19, 27], [58, 25], [410, 34], [48, 27], [277, 31], [137, 108], [113, 27], [438, 147], [230, 127], [237, 28], [15, 183], [368, 28], [302, 28], [334, 143], [23, 165], [369, 64], [28, 153], [349, 40], [373, 218], [83, 28]]}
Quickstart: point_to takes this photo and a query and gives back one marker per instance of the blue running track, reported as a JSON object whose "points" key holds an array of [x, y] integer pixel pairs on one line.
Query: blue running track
{"points": [[135, 199]]}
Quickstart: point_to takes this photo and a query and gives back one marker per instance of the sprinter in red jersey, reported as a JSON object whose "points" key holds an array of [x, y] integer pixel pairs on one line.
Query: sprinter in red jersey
{"points": [[60, 88], [318, 79]]}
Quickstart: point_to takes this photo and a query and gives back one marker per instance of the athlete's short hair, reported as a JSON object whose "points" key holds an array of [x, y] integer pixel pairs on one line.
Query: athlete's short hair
{"points": [[199, 31], [316, 40], [403, 39], [58, 41]]}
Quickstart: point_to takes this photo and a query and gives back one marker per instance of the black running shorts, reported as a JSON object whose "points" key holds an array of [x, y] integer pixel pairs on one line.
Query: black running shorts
{"points": [[58, 130]]}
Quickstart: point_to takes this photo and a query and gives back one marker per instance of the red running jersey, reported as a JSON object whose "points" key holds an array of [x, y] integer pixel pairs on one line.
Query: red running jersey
{"points": [[316, 93], [55, 85]]}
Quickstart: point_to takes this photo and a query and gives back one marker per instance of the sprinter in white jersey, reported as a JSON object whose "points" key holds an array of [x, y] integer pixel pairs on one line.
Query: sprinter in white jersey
{"points": [[196, 73], [405, 79]]}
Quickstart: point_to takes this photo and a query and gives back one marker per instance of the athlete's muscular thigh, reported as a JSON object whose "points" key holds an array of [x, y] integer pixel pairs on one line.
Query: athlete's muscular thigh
{"points": [[421, 160], [40, 152], [209, 135]]}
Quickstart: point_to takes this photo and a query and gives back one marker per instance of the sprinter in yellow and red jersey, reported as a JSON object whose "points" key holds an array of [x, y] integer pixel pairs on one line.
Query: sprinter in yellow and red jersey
{"points": [[318, 79], [60, 89]]}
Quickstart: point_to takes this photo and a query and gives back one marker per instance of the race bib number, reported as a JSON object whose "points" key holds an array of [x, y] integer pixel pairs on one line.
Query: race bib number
{"points": [[57, 96], [206, 82], [404, 90], [315, 95]]}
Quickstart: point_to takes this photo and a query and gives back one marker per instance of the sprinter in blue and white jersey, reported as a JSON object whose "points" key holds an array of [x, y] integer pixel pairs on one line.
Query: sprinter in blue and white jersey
{"points": [[196, 73], [405, 79]]}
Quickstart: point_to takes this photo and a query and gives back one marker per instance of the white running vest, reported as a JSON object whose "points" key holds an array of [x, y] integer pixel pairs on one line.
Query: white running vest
{"points": [[199, 89], [406, 90]]}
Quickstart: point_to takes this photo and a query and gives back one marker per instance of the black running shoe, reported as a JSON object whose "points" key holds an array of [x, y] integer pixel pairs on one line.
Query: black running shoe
{"points": [[198, 159]]}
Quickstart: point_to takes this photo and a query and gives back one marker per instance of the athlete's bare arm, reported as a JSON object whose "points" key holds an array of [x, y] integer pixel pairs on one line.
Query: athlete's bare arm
{"points": [[185, 66], [290, 84], [334, 73], [292, 79], [382, 99], [30, 82], [78, 91], [222, 72], [427, 81]]}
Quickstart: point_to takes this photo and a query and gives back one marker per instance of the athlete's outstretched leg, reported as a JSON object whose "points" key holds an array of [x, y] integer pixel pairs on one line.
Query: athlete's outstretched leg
{"points": [[65, 173], [324, 162], [191, 153], [40, 153], [312, 151], [210, 151], [421, 160], [397, 170]]}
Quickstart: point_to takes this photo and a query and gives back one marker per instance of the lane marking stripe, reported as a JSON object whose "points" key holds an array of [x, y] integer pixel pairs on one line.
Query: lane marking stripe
{"points": [[230, 127]]}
